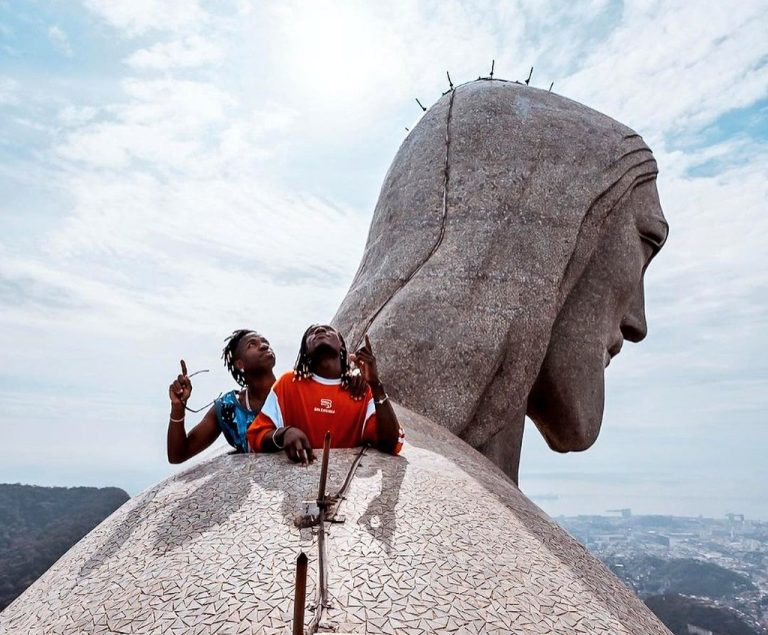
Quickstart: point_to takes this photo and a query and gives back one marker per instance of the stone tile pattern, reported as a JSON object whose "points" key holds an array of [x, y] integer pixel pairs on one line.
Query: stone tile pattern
{"points": [[437, 540]]}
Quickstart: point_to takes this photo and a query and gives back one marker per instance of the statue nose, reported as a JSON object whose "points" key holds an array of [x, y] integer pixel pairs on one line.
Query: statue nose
{"points": [[634, 329], [633, 326]]}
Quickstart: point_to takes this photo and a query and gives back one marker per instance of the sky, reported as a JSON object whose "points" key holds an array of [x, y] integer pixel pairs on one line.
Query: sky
{"points": [[171, 170]]}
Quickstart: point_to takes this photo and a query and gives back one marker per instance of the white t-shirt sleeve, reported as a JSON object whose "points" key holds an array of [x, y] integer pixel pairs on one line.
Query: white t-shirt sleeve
{"points": [[370, 409], [271, 409]]}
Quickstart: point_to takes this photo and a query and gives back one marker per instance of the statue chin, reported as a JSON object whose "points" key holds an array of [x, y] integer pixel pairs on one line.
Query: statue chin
{"points": [[567, 407]]}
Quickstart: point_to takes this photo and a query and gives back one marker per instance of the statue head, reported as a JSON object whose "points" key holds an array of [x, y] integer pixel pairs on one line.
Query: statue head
{"points": [[504, 264]]}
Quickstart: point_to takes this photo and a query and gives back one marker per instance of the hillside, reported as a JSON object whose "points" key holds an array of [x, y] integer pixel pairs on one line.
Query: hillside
{"points": [[39, 524], [678, 612]]}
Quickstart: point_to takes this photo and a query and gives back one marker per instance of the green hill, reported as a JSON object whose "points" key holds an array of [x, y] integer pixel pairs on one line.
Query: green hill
{"points": [[39, 524], [677, 612], [694, 577], [651, 575]]}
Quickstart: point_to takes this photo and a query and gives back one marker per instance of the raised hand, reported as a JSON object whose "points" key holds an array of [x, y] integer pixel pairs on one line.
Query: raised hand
{"points": [[180, 390], [365, 360]]}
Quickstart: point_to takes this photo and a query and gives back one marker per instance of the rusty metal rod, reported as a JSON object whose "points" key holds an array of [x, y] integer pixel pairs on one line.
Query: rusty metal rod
{"points": [[322, 561], [300, 594], [345, 486], [324, 470]]}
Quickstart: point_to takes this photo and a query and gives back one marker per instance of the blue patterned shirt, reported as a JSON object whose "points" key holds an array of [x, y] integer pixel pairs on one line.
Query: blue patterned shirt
{"points": [[233, 420]]}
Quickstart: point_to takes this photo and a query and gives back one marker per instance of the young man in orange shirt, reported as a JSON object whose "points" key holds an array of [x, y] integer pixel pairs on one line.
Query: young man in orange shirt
{"points": [[313, 399]]}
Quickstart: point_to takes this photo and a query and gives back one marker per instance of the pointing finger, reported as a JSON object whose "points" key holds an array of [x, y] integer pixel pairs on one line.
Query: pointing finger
{"points": [[183, 368], [363, 359]]}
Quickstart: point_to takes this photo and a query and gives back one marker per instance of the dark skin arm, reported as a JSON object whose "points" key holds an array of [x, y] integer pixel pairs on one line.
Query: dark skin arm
{"points": [[293, 442], [387, 424], [183, 446]]}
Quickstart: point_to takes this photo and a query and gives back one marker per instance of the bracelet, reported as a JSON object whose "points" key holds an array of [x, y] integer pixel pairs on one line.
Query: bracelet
{"points": [[176, 420], [279, 447], [378, 402]]}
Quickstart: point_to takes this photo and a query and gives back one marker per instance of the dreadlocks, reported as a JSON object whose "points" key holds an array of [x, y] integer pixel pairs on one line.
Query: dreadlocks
{"points": [[302, 368], [228, 354]]}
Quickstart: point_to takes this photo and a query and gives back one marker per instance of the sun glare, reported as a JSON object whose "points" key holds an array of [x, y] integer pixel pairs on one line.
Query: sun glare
{"points": [[334, 49]]}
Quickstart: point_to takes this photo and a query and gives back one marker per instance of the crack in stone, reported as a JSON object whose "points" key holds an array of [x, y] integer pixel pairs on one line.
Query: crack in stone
{"points": [[441, 234]]}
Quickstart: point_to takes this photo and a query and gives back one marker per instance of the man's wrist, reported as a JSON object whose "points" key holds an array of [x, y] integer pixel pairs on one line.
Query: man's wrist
{"points": [[177, 411], [278, 438], [377, 388]]}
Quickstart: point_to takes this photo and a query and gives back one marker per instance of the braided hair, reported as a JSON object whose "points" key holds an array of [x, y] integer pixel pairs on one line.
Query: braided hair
{"points": [[302, 369], [228, 354]]}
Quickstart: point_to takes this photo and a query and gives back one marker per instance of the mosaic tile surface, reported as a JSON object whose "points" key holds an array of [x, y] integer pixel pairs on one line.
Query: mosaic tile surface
{"points": [[437, 540]]}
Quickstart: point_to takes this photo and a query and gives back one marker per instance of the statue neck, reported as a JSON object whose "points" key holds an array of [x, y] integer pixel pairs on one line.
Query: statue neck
{"points": [[503, 448]]}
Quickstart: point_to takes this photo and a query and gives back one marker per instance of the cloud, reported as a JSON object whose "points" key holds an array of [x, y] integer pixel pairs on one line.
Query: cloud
{"points": [[189, 52], [142, 16], [669, 66], [60, 41], [8, 91], [164, 122], [169, 177], [72, 115]]}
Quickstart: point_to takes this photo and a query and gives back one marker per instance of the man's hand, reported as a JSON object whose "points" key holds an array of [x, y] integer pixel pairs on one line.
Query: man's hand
{"points": [[365, 360], [357, 386], [297, 446], [180, 390]]}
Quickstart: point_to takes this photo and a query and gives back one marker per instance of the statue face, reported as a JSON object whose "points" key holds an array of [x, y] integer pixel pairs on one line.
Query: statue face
{"points": [[606, 307]]}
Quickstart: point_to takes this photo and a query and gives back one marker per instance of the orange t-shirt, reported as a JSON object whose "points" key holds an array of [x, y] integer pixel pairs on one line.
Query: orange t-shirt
{"points": [[315, 406]]}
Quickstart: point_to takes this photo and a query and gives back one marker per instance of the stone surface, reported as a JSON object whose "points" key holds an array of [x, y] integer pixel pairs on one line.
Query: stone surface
{"points": [[504, 261], [437, 540]]}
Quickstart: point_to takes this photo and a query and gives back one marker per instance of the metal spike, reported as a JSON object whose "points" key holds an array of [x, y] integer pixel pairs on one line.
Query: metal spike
{"points": [[420, 104], [300, 594], [493, 63], [550, 86], [450, 83], [321, 502], [529, 76]]}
